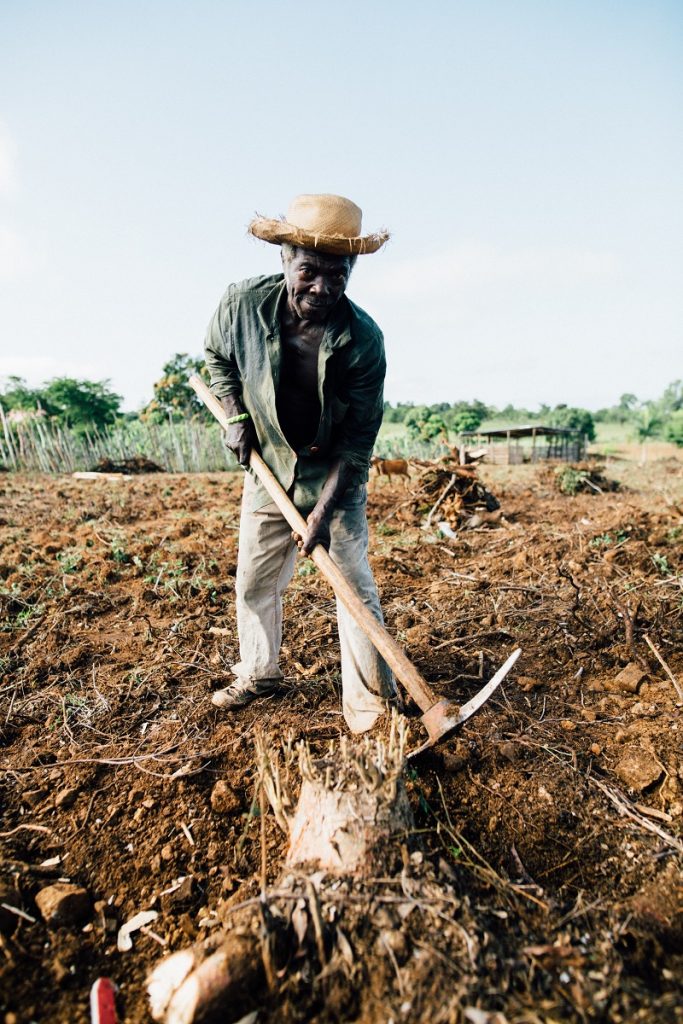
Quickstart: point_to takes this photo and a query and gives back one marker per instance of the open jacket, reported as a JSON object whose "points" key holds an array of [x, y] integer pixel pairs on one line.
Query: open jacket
{"points": [[243, 355]]}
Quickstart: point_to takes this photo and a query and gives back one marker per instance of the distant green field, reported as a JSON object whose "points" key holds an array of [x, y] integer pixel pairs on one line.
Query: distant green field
{"points": [[607, 433], [394, 439], [614, 433]]}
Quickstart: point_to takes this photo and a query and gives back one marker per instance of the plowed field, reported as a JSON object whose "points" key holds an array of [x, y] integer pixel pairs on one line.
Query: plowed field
{"points": [[556, 813]]}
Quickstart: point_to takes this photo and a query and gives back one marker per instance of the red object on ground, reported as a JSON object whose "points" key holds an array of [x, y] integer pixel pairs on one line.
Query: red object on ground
{"points": [[103, 1002]]}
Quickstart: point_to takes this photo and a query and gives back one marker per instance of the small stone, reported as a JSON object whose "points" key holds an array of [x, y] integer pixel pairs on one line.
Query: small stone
{"points": [[167, 852], [588, 715], [567, 725], [627, 681], [33, 797], [596, 749], [149, 804], [63, 903], [638, 768], [66, 798], [224, 800], [528, 683], [510, 751], [181, 894]]}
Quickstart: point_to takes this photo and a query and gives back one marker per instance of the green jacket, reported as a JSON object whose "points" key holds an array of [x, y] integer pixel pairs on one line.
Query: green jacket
{"points": [[243, 356]]}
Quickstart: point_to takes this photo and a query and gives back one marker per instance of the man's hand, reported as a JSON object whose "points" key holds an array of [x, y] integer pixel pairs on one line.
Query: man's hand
{"points": [[317, 532], [318, 523], [239, 437]]}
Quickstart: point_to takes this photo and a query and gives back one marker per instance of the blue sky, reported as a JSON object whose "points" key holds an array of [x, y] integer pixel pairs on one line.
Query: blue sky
{"points": [[526, 156]]}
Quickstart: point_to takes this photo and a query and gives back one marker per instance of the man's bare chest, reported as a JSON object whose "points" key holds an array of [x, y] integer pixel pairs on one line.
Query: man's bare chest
{"points": [[300, 360]]}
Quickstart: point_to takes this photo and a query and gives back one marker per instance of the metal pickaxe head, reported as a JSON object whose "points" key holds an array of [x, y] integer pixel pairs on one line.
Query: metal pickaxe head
{"points": [[445, 716]]}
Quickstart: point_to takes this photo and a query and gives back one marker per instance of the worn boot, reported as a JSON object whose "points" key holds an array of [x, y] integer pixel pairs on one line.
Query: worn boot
{"points": [[243, 692]]}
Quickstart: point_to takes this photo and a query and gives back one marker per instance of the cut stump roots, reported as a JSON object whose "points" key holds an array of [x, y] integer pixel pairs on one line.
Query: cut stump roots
{"points": [[352, 814]]}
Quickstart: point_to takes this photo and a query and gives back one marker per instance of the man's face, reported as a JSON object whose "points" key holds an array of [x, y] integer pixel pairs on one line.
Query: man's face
{"points": [[315, 282]]}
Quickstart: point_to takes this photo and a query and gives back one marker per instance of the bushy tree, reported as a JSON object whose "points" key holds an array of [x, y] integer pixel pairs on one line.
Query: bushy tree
{"points": [[16, 394], [673, 430], [78, 404], [424, 425], [173, 396], [81, 403], [672, 399], [573, 419], [396, 413], [468, 418]]}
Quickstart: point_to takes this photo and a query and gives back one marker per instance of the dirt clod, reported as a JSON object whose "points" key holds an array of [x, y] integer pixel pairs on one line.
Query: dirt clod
{"points": [[628, 680], [63, 904], [66, 798], [637, 768], [224, 800]]}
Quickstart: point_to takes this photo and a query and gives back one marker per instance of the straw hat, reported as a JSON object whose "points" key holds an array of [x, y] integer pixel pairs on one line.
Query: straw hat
{"points": [[327, 223]]}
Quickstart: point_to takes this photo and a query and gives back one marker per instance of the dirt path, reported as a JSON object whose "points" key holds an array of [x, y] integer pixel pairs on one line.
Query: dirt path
{"points": [[557, 813]]}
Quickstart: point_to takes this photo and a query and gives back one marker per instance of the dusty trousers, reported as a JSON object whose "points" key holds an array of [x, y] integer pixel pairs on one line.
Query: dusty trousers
{"points": [[265, 565]]}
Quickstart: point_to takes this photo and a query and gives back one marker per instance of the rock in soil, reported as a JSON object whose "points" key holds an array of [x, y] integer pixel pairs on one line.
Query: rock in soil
{"points": [[224, 800], [63, 904], [627, 681], [638, 768]]}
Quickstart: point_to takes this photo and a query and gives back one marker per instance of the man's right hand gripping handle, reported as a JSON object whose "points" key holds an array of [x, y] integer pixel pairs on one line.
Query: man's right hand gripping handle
{"points": [[240, 436]]}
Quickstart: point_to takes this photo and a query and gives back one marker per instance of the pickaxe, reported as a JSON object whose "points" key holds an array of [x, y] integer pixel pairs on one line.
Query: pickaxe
{"points": [[439, 717]]}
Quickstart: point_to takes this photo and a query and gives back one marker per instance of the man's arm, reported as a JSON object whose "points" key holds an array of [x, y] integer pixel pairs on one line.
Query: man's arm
{"points": [[226, 383], [318, 522]]}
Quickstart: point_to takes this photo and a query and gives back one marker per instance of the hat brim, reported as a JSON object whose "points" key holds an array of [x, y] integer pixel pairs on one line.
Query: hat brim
{"points": [[279, 231]]}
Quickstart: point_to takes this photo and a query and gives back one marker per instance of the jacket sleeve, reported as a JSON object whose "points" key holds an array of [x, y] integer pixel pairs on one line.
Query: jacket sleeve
{"points": [[358, 430], [219, 352]]}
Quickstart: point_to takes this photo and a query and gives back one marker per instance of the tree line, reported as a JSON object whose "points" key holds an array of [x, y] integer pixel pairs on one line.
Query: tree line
{"points": [[83, 405]]}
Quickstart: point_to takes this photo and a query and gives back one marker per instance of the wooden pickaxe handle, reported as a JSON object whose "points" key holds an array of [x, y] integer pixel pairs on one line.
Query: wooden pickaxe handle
{"points": [[393, 654]]}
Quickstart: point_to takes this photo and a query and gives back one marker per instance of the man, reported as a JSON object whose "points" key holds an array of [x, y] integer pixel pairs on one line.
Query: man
{"points": [[299, 370]]}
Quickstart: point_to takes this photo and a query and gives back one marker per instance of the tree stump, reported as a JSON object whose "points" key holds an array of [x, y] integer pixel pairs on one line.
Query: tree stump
{"points": [[351, 803]]}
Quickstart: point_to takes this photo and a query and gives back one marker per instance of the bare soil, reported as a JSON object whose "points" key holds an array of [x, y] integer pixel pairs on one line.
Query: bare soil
{"points": [[556, 815]]}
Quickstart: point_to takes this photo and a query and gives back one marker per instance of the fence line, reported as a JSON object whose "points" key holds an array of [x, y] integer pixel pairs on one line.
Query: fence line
{"points": [[183, 446], [188, 446]]}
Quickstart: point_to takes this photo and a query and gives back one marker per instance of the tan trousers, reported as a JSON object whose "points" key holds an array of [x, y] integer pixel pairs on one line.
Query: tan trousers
{"points": [[265, 564]]}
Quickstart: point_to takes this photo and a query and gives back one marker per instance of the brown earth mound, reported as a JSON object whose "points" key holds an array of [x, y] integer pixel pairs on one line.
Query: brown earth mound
{"points": [[554, 818], [131, 466]]}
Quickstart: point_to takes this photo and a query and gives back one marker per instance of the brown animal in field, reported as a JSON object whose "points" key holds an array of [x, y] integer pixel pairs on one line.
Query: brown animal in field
{"points": [[385, 467]]}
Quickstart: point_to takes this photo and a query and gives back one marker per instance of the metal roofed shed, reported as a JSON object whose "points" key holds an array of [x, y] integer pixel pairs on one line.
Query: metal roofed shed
{"points": [[510, 446]]}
